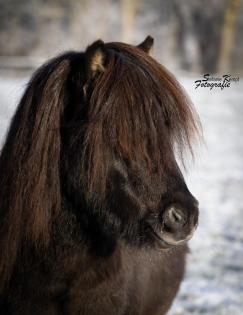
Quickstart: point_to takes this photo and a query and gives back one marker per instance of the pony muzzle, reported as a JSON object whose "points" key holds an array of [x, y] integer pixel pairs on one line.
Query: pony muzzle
{"points": [[178, 226]]}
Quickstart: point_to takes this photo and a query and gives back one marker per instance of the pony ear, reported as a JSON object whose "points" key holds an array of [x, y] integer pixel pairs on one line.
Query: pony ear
{"points": [[147, 44], [95, 58], [29, 165]]}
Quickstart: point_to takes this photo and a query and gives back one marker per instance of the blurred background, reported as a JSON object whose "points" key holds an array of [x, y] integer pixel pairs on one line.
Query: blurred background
{"points": [[194, 35], [192, 38]]}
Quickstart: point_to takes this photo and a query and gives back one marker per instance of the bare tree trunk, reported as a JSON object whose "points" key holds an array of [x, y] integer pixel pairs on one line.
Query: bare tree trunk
{"points": [[185, 38], [228, 36], [129, 10], [104, 17]]}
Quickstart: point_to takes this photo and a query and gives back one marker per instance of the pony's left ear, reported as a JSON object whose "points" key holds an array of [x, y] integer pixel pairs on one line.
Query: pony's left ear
{"points": [[95, 56], [147, 44]]}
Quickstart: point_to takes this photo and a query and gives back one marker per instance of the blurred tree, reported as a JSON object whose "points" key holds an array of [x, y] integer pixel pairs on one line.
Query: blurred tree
{"points": [[199, 33], [17, 27], [187, 43], [228, 36], [207, 21], [192, 35], [129, 10]]}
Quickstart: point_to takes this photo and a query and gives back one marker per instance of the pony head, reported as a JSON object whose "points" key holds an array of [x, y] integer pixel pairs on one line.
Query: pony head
{"points": [[100, 129]]}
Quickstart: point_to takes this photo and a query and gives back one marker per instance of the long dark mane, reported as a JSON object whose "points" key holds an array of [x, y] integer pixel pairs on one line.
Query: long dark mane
{"points": [[137, 112], [29, 165]]}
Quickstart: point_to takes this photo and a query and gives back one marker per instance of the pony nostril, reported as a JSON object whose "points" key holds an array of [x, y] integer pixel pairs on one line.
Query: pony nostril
{"points": [[174, 218]]}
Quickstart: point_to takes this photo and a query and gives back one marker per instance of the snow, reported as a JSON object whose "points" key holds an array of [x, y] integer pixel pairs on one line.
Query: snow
{"points": [[214, 278], [213, 282]]}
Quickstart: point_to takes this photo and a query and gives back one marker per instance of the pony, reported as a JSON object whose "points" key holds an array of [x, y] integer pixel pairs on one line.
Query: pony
{"points": [[95, 214]]}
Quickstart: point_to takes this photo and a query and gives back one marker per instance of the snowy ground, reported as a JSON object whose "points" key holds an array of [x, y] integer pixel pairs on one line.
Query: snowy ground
{"points": [[214, 279]]}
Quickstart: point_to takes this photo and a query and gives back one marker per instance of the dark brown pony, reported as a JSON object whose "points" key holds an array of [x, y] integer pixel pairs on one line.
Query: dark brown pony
{"points": [[94, 211]]}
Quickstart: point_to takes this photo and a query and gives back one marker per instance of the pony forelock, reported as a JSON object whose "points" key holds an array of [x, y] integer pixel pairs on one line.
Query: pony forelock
{"points": [[137, 112]]}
